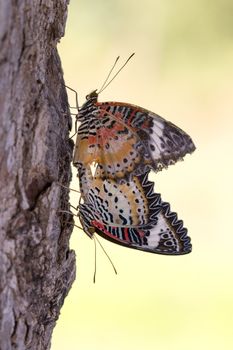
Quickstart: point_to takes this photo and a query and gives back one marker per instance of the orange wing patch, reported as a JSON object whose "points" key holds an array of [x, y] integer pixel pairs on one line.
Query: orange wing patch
{"points": [[123, 203], [111, 145]]}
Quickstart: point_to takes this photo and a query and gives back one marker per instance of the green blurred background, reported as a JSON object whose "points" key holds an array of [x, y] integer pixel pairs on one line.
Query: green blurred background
{"points": [[183, 71]]}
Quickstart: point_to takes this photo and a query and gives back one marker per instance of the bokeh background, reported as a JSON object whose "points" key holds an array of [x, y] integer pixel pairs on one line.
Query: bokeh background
{"points": [[183, 71]]}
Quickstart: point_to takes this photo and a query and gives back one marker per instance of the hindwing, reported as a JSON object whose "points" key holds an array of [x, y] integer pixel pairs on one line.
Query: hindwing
{"points": [[131, 214]]}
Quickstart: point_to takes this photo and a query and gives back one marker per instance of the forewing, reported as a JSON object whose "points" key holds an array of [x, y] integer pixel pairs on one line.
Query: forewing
{"points": [[165, 142]]}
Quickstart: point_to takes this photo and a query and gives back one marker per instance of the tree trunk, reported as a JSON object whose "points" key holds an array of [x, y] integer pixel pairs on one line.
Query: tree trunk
{"points": [[36, 266]]}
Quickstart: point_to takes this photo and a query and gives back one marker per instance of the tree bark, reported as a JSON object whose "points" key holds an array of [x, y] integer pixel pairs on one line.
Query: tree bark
{"points": [[36, 266]]}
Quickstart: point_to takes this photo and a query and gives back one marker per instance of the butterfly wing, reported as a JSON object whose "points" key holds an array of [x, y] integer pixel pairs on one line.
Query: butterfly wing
{"points": [[165, 142], [125, 203], [111, 144], [131, 214], [167, 237]]}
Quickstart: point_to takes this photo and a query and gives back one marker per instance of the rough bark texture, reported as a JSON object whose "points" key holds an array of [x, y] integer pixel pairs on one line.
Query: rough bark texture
{"points": [[36, 266]]}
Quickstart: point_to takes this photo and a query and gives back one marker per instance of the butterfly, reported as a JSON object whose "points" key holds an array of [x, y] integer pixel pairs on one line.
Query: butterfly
{"points": [[131, 214], [123, 139], [125, 142]]}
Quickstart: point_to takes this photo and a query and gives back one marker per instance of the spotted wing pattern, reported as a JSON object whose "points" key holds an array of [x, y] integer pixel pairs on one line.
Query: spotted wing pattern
{"points": [[165, 142], [125, 142], [124, 139], [154, 229], [124, 203], [111, 144]]}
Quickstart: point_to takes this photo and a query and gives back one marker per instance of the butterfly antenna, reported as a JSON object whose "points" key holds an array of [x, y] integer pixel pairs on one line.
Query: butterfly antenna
{"points": [[106, 255], [114, 65], [95, 260], [104, 86]]}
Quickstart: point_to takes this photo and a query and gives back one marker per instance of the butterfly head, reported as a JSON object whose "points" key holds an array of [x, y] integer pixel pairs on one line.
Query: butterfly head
{"points": [[93, 96]]}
